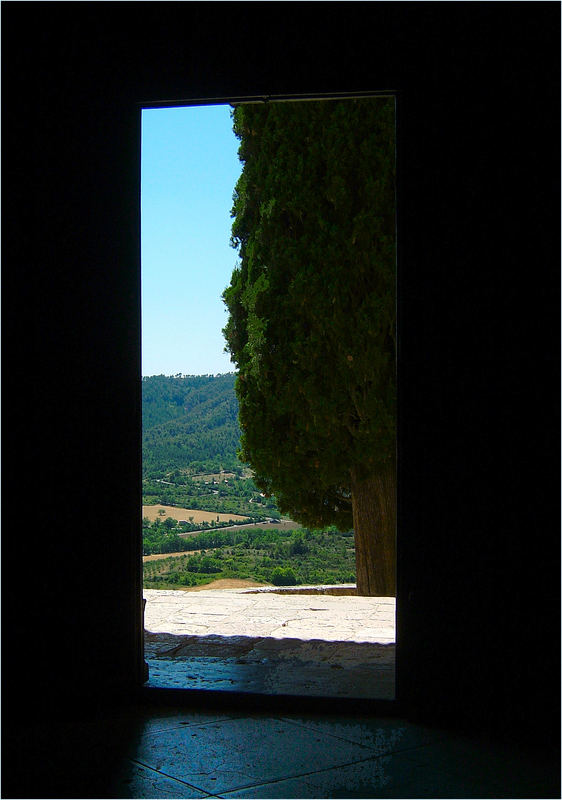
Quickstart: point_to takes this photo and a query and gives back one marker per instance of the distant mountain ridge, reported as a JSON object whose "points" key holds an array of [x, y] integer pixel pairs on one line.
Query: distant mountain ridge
{"points": [[189, 418]]}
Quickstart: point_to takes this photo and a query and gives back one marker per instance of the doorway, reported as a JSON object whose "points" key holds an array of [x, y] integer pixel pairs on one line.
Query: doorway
{"points": [[231, 599]]}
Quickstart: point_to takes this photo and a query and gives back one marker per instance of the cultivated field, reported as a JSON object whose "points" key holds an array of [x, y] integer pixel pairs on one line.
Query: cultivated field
{"points": [[160, 556], [152, 512]]}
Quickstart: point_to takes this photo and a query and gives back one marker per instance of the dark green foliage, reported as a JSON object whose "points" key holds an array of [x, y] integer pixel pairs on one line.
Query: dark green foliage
{"points": [[204, 564], [191, 433], [238, 496], [263, 555], [283, 576], [168, 397], [187, 419], [312, 302], [299, 547], [157, 537]]}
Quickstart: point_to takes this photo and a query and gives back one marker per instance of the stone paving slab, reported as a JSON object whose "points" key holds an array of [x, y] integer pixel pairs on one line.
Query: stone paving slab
{"points": [[231, 612]]}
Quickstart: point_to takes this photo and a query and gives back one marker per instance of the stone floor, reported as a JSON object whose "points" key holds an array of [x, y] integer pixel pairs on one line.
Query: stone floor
{"points": [[164, 752], [272, 642], [152, 748]]}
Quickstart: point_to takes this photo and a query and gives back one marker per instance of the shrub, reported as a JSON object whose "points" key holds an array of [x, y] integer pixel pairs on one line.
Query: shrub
{"points": [[283, 576], [298, 547]]}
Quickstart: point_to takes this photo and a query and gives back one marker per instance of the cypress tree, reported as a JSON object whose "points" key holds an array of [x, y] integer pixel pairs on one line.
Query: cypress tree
{"points": [[312, 317]]}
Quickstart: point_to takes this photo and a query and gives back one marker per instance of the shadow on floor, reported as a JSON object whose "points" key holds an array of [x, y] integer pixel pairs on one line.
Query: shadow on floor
{"points": [[151, 752]]}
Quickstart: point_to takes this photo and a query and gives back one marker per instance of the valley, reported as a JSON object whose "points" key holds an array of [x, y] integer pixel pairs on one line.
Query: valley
{"points": [[204, 519]]}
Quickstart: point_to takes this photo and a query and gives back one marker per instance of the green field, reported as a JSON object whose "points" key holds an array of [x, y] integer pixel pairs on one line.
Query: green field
{"points": [[279, 557]]}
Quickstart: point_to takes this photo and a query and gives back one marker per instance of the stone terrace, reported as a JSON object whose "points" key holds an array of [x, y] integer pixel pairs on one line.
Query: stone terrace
{"points": [[308, 641]]}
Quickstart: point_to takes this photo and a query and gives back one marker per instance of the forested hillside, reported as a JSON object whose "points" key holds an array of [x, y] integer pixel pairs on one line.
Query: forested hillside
{"points": [[190, 439], [189, 422]]}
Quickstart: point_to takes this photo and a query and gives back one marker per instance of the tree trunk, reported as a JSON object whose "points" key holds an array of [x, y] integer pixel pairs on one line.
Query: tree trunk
{"points": [[374, 524]]}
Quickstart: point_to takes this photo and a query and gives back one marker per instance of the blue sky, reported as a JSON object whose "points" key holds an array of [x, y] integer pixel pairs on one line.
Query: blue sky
{"points": [[189, 169]]}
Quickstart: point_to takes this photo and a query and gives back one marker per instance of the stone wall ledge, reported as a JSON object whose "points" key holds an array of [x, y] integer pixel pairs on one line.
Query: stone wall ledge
{"points": [[345, 589]]}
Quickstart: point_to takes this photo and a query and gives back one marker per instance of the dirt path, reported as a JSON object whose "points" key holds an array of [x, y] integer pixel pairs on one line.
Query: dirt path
{"points": [[223, 583]]}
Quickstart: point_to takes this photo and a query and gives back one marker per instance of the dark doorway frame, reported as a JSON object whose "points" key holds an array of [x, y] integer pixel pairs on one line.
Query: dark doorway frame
{"points": [[212, 697], [479, 269]]}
